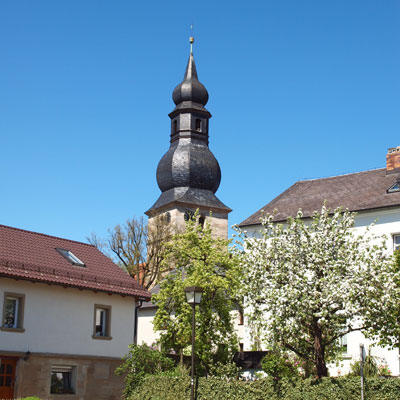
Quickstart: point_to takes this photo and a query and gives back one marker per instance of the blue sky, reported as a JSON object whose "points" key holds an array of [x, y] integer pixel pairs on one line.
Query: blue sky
{"points": [[298, 89]]}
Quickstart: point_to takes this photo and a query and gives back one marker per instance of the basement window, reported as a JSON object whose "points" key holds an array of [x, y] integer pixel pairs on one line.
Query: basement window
{"points": [[62, 379], [71, 257], [394, 188]]}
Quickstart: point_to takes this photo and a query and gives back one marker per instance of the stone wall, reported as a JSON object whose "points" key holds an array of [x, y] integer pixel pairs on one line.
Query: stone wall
{"points": [[93, 377], [217, 220]]}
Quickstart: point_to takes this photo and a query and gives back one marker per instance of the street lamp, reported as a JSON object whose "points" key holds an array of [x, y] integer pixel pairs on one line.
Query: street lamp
{"points": [[193, 297]]}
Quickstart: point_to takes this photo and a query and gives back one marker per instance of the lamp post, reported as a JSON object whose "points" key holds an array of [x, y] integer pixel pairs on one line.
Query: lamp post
{"points": [[193, 297]]}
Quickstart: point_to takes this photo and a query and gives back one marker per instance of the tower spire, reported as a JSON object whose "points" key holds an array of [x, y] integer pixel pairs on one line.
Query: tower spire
{"points": [[188, 174], [191, 39]]}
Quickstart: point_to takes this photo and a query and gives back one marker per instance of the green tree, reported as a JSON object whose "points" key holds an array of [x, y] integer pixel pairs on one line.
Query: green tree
{"points": [[310, 282], [199, 259], [140, 362]]}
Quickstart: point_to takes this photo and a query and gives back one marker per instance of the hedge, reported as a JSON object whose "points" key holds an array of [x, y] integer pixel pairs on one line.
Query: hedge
{"points": [[344, 388]]}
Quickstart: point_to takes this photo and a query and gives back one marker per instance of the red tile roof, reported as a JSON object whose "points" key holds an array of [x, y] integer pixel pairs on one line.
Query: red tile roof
{"points": [[360, 191], [33, 256]]}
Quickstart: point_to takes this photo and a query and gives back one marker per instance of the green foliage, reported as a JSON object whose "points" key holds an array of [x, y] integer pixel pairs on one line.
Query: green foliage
{"points": [[279, 365], [345, 388], [198, 259], [31, 398], [370, 367], [139, 362], [227, 370]]}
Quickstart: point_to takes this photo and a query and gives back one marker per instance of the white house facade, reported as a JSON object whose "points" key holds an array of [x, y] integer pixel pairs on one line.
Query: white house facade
{"points": [[68, 317], [375, 196]]}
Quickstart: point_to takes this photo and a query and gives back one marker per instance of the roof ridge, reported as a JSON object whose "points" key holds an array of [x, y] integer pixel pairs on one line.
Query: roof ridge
{"points": [[44, 234], [337, 176]]}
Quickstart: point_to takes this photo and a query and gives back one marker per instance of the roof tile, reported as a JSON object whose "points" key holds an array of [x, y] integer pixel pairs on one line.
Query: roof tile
{"points": [[33, 256], [359, 191]]}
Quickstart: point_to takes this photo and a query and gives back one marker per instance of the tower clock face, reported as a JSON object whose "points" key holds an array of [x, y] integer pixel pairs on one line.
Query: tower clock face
{"points": [[188, 215]]}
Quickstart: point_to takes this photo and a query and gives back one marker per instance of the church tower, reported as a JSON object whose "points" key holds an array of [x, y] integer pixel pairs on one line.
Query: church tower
{"points": [[189, 175]]}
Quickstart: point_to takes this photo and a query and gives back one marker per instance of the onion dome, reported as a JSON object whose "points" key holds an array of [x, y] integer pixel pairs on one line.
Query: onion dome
{"points": [[190, 89], [188, 164]]}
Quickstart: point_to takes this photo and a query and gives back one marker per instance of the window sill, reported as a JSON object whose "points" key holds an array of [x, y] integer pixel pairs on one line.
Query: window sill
{"points": [[17, 330], [346, 356], [101, 337]]}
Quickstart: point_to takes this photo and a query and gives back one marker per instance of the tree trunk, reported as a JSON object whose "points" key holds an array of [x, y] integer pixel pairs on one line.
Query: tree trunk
{"points": [[319, 350]]}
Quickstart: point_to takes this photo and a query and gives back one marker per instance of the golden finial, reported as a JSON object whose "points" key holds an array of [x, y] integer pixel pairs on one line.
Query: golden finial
{"points": [[191, 39]]}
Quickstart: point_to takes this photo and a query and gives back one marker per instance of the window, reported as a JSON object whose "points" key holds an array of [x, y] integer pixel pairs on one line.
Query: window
{"points": [[102, 322], [241, 317], [175, 126], [343, 343], [202, 220], [396, 242], [62, 379], [198, 125], [394, 188], [71, 257], [13, 312], [166, 218], [188, 215]]}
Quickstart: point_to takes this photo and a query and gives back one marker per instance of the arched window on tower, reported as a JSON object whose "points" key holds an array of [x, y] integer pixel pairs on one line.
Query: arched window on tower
{"points": [[198, 124], [202, 219]]}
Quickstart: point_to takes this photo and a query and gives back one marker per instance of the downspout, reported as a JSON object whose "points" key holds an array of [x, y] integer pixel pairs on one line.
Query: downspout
{"points": [[135, 329]]}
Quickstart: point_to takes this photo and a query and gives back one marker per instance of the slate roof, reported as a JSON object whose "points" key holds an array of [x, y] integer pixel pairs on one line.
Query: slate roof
{"points": [[33, 256], [359, 191], [150, 304]]}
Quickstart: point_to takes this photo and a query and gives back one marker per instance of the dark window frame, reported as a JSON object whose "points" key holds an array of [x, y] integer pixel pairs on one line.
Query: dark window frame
{"points": [[65, 384], [20, 313], [107, 334]]}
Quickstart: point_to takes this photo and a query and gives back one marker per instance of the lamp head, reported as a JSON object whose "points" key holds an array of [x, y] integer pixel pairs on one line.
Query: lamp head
{"points": [[193, 294]]}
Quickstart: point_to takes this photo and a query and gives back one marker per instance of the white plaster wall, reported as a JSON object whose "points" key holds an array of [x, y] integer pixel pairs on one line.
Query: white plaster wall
{"points": [[384, 356], [387, 222], [59, 320], [146, 333]]}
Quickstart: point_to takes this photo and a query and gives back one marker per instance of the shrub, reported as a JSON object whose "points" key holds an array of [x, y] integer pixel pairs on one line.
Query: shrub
{"points": [[279, 365], [31, 398], [370, 367], [225, 370], [345, 388], [139, 362]]}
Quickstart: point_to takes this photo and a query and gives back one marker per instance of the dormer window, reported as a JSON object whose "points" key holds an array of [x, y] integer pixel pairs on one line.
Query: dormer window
{"points": [[198, 124], [71, 257], [394, 188]]}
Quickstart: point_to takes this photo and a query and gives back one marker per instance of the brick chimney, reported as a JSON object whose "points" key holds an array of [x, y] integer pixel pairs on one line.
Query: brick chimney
{"points": [[393, 160]]}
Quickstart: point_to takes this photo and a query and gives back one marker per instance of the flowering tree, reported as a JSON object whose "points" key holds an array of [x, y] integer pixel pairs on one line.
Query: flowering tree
{"points": [[386, 326], [309, 282], [198, 259]]}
